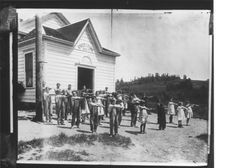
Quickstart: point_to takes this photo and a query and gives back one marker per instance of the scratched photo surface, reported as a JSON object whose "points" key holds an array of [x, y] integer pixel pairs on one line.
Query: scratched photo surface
{"points": [[114, 86]]}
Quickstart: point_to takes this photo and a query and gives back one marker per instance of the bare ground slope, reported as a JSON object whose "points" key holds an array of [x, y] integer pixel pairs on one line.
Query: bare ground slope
{"points": [[188, 144]]}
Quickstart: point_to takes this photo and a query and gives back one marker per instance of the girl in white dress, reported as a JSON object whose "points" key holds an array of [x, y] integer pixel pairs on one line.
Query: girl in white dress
{"points": [[180, 114], [189, 112], [143, 117]]}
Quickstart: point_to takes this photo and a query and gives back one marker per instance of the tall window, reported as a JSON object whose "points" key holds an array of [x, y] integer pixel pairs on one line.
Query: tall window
{"points": [[29, 69]]}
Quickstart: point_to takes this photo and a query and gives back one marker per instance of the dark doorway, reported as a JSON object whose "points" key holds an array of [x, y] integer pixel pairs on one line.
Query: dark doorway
{"points": [[85, 77]]}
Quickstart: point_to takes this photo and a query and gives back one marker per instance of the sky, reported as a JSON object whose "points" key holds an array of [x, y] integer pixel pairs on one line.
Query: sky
{"points": [[149, 41]]}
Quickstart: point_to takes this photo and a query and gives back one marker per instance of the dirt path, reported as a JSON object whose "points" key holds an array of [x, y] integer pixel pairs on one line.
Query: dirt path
{"points": [[170, 145]]}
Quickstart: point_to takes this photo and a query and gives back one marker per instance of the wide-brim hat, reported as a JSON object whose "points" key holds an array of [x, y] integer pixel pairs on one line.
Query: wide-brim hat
{"points": [[142, 102], [119, 100], [100, 98], [112, 99]]}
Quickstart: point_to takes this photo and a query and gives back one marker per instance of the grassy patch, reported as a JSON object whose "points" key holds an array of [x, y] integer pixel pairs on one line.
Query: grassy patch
{"points": [[62, 139], [118, 140], [65, 155], [203, 137], [28, 145]]}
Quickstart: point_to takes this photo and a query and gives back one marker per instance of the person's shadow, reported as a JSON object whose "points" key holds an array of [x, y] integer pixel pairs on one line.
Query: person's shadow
{"points": [[133, 132], [125, 125], [83, 131], [171, 126], [102, 126], [153, 129], [63, 127]]}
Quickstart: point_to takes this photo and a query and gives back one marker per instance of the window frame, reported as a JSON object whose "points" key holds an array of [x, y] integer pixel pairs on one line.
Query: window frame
{"points": [[25, 73]]}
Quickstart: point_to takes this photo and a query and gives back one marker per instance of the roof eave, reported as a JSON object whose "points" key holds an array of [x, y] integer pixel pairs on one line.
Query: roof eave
{"points": [[21, 32], [49, 38], [58, 40], [110, 54]]}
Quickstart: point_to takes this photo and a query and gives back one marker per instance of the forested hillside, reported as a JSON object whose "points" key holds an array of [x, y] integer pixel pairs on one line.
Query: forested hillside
{"points": [[167, 86]]}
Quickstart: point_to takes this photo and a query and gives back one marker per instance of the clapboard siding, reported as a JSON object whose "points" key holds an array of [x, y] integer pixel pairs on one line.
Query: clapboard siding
{"points": [[30, 93], [105, 72], [60, 65], [62, 62]]}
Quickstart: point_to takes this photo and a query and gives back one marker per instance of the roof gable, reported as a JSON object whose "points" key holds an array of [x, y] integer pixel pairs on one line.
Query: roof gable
{"points": [[72, 33], [52, 20]]}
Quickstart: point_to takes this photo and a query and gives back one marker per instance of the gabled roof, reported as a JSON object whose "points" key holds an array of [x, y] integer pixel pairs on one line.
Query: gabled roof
{"points": [[71, 33], [29, 35], [54, 33]]}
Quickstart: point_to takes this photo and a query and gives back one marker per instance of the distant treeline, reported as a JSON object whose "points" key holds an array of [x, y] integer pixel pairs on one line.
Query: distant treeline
{"points": [[167, 86]]}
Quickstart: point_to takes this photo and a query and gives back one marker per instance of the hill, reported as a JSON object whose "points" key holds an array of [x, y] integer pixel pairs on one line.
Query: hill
{"points": [[195, 91]]}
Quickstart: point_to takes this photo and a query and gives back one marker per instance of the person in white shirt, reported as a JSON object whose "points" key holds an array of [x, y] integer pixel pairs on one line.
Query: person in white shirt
{"points": [[119, 111], [171, 110], [47, 104]]}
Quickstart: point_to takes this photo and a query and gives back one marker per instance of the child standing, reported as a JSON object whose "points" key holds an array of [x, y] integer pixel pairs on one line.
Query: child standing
{"points": [[47, 104], [143, 117], [100, 110], [189, 114], [161, 116], [180, 114]]}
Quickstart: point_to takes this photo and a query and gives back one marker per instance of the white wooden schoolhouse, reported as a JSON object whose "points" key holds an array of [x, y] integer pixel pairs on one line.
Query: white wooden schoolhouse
{"points": [[72, 53]]}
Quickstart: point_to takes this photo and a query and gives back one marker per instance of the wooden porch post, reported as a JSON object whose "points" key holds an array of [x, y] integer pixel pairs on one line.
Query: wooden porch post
{"points": [[39, 71]]}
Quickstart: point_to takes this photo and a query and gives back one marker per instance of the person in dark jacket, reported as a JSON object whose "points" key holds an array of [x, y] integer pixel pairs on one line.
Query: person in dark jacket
{"points": [[75, 101], [93, 115], [161, 116], [134, 110], [68, 102]]}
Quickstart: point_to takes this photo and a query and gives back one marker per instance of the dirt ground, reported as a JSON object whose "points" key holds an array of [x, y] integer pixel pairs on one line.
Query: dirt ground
{"points": [[172, 145]]}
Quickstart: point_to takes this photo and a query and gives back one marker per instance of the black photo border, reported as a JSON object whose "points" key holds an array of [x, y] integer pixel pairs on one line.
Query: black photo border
{"points": [[106, 4]]}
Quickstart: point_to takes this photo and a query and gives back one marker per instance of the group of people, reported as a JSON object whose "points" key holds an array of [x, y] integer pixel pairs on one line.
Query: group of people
{"points": [[82, 104], [182, 111]]}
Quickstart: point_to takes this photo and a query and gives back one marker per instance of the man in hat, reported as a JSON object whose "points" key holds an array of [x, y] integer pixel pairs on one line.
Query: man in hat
{"points": [[134, 110], [64, 101], [68, 103], [171, 110], [58, 101]]}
